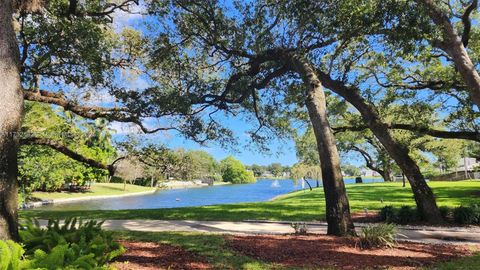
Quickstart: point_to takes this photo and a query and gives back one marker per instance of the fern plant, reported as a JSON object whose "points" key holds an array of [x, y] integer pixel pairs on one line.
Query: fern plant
{"points": [[73, 243], [11, 256]]}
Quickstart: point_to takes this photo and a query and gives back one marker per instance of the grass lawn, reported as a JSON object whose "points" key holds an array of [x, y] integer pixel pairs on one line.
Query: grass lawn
{"points": [[468, 263], [298, 206], [98, 189], [213, 247]]}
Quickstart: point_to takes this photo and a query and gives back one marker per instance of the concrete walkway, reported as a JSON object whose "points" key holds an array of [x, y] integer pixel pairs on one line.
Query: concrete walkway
{"points": [[437, 235]]}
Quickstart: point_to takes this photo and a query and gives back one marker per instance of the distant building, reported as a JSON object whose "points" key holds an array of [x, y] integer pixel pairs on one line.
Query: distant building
{"points": [[469, 162], [368, 173], [267, 174]]}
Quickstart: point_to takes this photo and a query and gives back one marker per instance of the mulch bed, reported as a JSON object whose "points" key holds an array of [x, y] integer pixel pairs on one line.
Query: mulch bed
{"points": [[148, 255], [362, 217], [344, 253]]}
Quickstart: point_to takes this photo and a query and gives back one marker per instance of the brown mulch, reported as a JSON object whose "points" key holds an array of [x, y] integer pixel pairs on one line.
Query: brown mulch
{"points": [[149, 256], [362, 217], [315, 251]]}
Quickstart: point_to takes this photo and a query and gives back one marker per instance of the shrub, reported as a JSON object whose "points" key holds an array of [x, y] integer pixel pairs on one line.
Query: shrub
{"points": [[445, 212], [406, 214], [382, 235], [82, 245], [467, 214], [463, 215], [388, 214]]}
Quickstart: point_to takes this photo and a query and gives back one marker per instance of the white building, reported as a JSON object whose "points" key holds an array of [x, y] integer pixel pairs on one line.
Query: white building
{"points": [[468, 163], [368, 173]]}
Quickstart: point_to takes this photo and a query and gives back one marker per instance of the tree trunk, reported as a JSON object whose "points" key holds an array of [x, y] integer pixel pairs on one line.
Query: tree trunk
{"points": [[337, 206], [11, 104], [424, 197], [453, 45], [386, 175]]}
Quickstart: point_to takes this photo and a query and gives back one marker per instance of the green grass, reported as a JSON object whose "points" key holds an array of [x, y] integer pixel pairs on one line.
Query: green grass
{"points": [[467, 263], [98, 189], [297, 206], [210, 246]]}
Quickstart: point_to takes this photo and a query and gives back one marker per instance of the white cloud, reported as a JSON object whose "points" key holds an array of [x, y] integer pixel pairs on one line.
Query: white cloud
{"points": [[122, 19], [124, 128]]}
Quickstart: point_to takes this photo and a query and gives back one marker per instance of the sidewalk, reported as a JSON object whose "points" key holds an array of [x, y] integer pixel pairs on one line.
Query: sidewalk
{"points": [[438, 235]]}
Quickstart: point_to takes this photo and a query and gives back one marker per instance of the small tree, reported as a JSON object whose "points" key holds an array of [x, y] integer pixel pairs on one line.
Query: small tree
{"points": [[235, 172]]}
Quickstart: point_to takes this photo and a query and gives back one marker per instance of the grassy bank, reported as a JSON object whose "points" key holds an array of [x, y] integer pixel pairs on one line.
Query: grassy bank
{"points": [[303, 205], [98, 189]]}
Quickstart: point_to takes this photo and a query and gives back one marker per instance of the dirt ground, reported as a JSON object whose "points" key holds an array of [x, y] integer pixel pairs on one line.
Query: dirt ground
{"points": [[149, 256], [309, 252], [314, 251]]}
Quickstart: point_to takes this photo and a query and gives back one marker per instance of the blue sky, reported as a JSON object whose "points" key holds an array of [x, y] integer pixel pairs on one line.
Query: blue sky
{"points": [[282, 151]]}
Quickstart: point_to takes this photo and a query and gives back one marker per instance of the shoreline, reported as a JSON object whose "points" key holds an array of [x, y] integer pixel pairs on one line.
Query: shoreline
{"points": [[43, 202], [84, 198]]}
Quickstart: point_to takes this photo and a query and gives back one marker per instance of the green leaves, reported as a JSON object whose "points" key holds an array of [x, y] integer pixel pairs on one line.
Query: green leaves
{"points": [[234, 171], [44, 168], [73, 245]]}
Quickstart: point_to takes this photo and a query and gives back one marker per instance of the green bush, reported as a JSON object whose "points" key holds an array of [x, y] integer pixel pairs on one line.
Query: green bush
{"points": [[445, 212], [11, 256], [467, 214], [406, 214], [382, 235], [73, 244], [235, 172], [388, 214]]}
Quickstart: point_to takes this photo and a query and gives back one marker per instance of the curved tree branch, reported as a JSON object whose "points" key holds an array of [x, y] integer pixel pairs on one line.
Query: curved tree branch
{"points": [[90, 112], [445, 134], [467, 24], [70, 153]]}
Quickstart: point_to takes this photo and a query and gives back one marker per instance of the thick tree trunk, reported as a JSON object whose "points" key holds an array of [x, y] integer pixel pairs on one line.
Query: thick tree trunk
{"points": [[337, 206], [424, 197], [386, 175], [11, 104], [452, 44]]}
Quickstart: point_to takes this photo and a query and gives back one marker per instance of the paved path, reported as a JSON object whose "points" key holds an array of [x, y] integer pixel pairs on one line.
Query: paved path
{"points": [[418, 234]]}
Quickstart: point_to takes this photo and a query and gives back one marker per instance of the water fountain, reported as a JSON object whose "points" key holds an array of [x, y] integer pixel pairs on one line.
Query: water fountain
{"points": [[275, 184]]}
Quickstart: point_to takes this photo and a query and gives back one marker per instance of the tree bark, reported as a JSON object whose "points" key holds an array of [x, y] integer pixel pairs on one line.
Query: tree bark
{"points": [[11, 104], [453, 45], [386, 175], [424, 196], [337, 206], [422, 130]]}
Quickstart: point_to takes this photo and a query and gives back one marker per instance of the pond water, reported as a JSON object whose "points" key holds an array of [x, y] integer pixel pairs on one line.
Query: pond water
{"points": [[262, 190]]}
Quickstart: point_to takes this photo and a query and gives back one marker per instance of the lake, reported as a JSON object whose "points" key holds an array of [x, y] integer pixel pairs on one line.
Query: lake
{"points": [[262, 190]]}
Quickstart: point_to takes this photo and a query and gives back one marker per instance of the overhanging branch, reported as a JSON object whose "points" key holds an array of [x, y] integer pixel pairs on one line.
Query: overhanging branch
{"points": [[58, 146], [445, 134], [90, 112]]}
